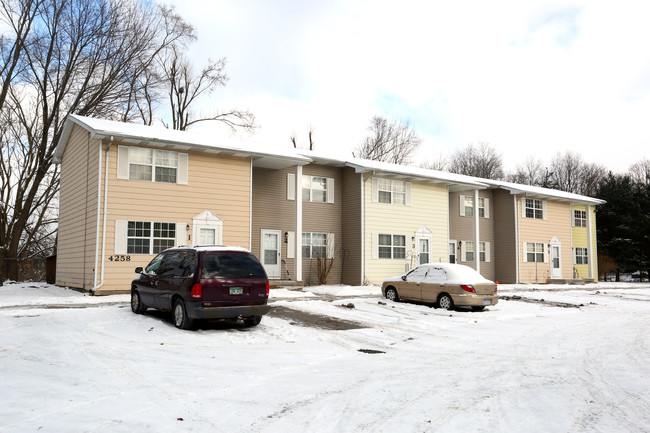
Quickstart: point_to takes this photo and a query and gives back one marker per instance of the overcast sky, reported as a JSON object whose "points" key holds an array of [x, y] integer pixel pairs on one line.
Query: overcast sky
{"points": [[528, 77]]}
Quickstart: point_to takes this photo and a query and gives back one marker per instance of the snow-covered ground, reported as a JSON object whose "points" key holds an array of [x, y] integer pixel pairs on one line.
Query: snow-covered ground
{"points": [[515, 367]]}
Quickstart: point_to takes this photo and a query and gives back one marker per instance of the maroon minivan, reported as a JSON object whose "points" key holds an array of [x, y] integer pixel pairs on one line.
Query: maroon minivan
{"points": [[214, 282]]}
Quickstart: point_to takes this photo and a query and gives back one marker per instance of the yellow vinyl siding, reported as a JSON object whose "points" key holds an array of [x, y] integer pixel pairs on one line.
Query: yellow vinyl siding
{"points": [[557, 223], [77, 232], [579, 240], [220, 184], [429, 208]]}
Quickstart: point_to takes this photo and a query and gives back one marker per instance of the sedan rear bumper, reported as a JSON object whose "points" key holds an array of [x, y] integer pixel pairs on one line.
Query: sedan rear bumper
{"points": [[197, 311], [474, 300]]}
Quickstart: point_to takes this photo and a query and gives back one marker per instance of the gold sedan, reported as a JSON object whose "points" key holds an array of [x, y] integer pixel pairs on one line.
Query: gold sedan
{"points": [[444, 285]]}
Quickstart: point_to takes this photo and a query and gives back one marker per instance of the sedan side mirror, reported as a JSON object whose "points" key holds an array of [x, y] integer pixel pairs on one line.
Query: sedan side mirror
{"points": [[403, 277], [138, 270]]}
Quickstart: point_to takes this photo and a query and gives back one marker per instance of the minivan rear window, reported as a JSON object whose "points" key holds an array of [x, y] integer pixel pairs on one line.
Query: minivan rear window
{"points": [[216, 265]]}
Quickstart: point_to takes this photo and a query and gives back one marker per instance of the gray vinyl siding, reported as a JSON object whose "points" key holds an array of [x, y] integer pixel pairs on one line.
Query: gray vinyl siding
{"points": [[77, 232], [352, 228], [504, 237], [461, 228], [273, 211]]}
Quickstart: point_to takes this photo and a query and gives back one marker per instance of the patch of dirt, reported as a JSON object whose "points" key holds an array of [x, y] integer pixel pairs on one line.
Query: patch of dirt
{"points": [[540, 301], [310, 320]]}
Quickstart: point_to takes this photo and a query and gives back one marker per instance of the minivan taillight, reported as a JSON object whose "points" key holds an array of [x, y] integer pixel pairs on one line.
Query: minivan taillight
{"points": [[467, 288], [267, 289], [197, 291]]}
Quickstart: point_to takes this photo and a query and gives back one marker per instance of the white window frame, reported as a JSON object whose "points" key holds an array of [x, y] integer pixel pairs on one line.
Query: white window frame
{"points": [[536, 212], [580, 256], [581, 220], [537, 249], [467, 248], [397, 252], [291, 188], [466, 206], [453, 247], [122, 236], [394, 188], [329, 245], [124, 163], [484, 251]]}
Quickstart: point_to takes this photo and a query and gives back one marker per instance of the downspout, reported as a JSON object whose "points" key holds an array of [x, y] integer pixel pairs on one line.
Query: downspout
{"points": [[477, 235], [590, 243], [448, 227], [101, 283], [99, 200], [517, 257], [250, 216], [364, 255]]}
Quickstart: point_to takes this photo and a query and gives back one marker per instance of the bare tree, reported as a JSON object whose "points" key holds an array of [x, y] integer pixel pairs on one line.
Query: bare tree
{"points": [[480, 160], [531, 172], [439, 164], [640, 172], [569, 172], [388, 141], [310, 136], [185, 87], [59, 57]]}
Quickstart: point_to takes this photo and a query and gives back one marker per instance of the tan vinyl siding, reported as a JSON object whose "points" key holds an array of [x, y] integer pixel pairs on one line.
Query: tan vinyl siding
{"points": [[352, 228], [220, 184], [461, 228], [429, 208], [505, 251], [77, 232], [557, 223], [273, 211]]}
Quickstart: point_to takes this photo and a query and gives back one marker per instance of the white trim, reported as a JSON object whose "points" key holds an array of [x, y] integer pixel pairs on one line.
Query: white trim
{"points": [[207, 220], [298, 224], [330, 190], [273, 271], [590, 243], [461, 204], [291, 186], [486, 207], [123, 162], [477, 234], [330, 248], [99, 197], [121, 233], [182, 171]]}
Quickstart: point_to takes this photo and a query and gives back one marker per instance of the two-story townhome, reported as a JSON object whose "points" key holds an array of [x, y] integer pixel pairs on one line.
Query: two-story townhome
{"points": [[129, 191], [536, 234]]}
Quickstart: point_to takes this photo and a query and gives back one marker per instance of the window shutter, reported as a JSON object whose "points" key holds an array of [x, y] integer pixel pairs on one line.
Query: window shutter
{"points": [[487, 251], [121, 232], [463, 252], [330, 246], [181, 234], [291, 245], [523, 207], [375, 191], [330, 190], [291, 186], [574, 255], [486, 202], [544, 209], [407, 200], [525, 250], [375, 246], [546, 246], [181, 175], [461, 205], [122, 162]]}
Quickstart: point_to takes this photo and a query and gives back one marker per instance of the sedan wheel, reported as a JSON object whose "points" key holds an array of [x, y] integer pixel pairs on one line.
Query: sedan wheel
{"points": [[181, 319], [391, 294], [136, 303], [253, 321], [445, 302]]}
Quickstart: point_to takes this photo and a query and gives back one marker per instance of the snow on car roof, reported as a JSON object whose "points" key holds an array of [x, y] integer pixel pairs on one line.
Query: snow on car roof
{"points": [[460, 274]]}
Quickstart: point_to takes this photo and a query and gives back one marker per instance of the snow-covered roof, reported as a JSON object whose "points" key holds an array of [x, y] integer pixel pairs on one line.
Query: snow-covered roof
{"points": [[457, 182], [159, 136], [538, 191]]}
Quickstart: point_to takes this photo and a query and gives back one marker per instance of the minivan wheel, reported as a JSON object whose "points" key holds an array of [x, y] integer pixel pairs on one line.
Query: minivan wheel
{"points": [[181, 319], [136, 303], [445, 302], [253, 321], [391, 294]]}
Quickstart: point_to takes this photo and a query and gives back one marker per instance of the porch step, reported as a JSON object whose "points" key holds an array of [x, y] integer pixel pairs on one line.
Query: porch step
{"points": [[576, 281], [274, 284]]}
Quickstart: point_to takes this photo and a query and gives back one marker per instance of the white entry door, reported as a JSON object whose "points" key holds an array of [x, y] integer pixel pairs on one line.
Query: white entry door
{"points": [[424, 253], [270, 256], [556, 264]]}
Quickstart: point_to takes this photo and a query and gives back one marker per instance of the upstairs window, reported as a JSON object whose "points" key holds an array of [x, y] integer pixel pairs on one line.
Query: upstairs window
{"points": [[391, 191], [579, 218], [314, 189], [534, 208], [467, 206], [151, 165]]}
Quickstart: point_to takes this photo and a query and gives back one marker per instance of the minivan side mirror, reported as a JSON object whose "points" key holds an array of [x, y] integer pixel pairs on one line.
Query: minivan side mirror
{"points": [[138, 270]]}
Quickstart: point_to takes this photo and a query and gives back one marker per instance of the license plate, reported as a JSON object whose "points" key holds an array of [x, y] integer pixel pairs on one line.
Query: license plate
{"points": [[236, 290], [486, 302]]}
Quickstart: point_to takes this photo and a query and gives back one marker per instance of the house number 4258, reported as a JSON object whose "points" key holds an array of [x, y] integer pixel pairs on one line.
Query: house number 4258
{"points": [[120, 258]]}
